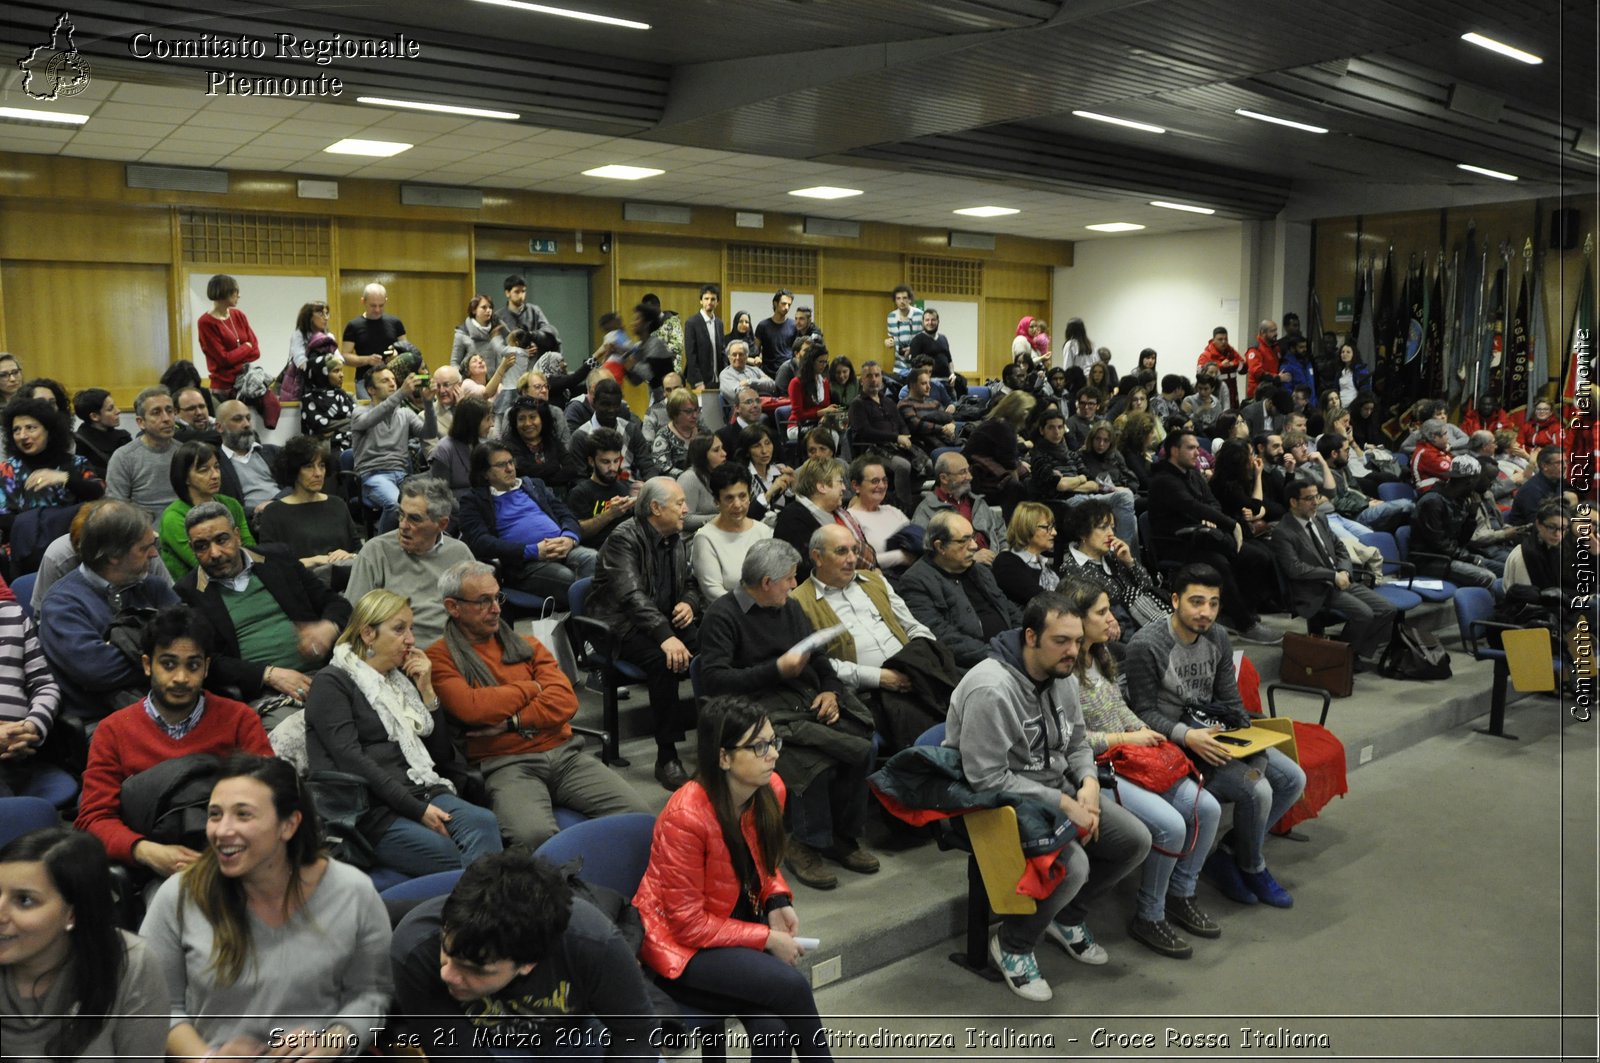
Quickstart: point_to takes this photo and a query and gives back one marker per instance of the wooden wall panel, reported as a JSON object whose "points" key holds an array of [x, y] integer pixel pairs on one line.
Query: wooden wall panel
{"points": [[1018, 281], [863, 271], [1000, 317], [76, 233], [414, 246], [430, 304], [853, 324], [651, 258], [121, 351]]}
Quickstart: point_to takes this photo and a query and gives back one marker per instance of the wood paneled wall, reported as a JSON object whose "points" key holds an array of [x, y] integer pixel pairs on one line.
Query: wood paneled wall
{"points": [[91, 271], [1343, 243]]}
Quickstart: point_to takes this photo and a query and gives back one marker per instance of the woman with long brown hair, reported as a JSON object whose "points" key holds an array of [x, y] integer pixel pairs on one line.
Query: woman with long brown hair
{"points": [[265, 941], [719, 919]]}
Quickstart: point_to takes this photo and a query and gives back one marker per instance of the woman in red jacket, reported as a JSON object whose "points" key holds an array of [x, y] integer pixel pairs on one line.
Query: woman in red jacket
{"points": [[810, 393], [226, 337], [1543, 429], [719, 922]]}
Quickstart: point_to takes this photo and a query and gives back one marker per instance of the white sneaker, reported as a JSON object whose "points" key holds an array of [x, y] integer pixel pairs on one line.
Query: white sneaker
{"points": [[1079, 943], [1020, 972]]}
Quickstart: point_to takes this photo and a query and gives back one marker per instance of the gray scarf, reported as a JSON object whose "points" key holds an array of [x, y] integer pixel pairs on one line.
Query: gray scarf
{"points": [[514, 649]]}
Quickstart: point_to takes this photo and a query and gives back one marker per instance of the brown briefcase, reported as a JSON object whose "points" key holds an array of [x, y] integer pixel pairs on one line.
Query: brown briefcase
{"points": [[1313, 661]]}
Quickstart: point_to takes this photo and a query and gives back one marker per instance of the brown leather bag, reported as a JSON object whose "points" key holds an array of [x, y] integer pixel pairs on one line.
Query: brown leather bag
{"points": [[1313, 661]]}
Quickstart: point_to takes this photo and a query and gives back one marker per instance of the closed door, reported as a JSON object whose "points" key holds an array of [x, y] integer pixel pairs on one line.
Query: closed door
{"points": [[562, 292]]}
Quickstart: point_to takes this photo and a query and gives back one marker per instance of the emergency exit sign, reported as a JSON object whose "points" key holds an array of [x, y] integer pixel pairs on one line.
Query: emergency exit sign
{"points": [[541, 247]]}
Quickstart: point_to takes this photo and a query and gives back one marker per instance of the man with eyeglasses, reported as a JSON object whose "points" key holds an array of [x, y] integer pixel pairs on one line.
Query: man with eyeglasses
{"points": [[271, 623], [516, 707], [1321, 577], [410, 559], [519, 522], [957, 598], [749, 648], [194, 419]]}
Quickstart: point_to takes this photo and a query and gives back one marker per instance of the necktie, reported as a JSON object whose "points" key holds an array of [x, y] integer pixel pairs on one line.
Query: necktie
{"points": [[1322, 547]]}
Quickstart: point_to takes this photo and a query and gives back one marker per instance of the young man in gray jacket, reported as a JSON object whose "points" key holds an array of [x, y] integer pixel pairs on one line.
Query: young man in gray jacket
{"points": [[1186, 665], [1016, 720]]}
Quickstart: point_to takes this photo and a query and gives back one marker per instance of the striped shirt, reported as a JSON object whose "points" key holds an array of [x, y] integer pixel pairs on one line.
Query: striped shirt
{"points": [[28, 690]]}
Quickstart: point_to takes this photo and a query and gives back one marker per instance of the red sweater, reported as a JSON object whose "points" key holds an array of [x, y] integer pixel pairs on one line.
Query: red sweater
{"points": [[803, 404], [128, 742], [536, 692], [229, 345]]}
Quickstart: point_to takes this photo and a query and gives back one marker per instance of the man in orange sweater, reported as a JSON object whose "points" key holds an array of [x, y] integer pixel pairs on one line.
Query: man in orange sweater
{"points": [[516, 706], [176, 719]]}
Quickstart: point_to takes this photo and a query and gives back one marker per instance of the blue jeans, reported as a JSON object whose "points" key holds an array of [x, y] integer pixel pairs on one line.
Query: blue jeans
{"points": [[1262, 788], [412, 849], [1387, 516], [1180, 840], [381, 490], [772, 1000]]}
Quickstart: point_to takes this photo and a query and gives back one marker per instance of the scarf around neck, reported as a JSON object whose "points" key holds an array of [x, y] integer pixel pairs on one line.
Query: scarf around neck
{"points": [[399, 708], [514, 649]]}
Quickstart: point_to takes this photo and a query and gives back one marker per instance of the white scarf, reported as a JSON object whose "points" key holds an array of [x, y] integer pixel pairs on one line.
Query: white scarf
{"points": [[476, 331], [400, 710]]}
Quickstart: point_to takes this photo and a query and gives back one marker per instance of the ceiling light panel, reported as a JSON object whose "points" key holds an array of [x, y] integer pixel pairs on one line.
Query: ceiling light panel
{"points": [[986, 212], [1496, 174], [30, 114], [439, 108], [1258, 116], [1502, 48], [567, 12], [1115, 227], [825, 192], [1126, 123], [618, 172], [1181, 206], [377, 149]]}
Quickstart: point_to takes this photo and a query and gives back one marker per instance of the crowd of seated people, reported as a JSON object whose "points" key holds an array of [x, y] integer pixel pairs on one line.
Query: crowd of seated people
{"points": [[246, 619]]}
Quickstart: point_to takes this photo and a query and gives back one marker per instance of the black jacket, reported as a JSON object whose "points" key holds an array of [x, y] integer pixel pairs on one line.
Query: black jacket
{"points": [[939, 601], [480, 523], [302, 597], [625, 580], [702, 356], [1180, 499]]}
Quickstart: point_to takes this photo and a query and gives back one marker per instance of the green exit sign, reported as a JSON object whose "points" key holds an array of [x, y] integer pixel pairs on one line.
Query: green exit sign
{"points": [[1344, 308], [542, 247]]}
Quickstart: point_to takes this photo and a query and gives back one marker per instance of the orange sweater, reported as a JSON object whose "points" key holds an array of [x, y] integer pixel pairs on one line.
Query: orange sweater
{"points": [[537, 692]]}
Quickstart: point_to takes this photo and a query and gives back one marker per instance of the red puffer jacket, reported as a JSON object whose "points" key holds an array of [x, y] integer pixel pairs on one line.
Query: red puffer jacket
{"points": [[689, 890]]}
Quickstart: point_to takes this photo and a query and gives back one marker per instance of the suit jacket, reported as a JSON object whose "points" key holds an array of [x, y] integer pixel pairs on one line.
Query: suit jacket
{"points": [[480, 521], [702, 354], [939, 602], [1303, 566], [302, 597]]}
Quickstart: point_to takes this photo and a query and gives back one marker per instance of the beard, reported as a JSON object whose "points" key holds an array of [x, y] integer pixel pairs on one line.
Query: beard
{"points": [[241, 441]]}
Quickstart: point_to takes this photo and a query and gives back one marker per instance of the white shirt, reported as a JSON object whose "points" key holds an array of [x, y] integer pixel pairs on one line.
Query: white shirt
{"points": [[875, 642]]}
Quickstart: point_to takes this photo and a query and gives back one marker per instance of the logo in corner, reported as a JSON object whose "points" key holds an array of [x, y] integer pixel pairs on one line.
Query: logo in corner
{"points": [[56, 70]]}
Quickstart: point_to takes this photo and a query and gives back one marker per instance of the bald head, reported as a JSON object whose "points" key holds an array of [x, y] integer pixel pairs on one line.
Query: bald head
{"points": [[238, 430]]}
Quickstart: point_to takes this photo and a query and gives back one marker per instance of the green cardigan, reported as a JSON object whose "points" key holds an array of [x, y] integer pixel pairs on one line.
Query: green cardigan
{"points": [[174, 538]]}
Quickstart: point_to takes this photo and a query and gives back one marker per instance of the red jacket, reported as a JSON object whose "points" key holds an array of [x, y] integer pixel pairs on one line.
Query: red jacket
{"points": [[1548, 433], [128, 742], [1261, 364], [1429, 465], [1472, 421], [1224, 357], [802, 407], [228, 345], [689, 891]]}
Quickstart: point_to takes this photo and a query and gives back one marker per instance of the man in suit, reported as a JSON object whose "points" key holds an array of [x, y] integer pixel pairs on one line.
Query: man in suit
{"points": [[1318, 570], [702, 342]]}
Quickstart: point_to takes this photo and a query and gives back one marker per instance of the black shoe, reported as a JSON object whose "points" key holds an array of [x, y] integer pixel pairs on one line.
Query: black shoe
{"points": [[670, 773], [1189, 915], [1160, 937]]}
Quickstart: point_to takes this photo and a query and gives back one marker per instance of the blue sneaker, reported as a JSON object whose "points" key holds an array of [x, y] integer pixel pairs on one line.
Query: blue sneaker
{"points": [[1222, 872], [1020, 972], [1264, 886]]}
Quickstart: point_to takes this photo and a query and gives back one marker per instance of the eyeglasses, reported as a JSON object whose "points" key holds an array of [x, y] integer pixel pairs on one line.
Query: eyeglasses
{"points": [[10, 374], [1556, 527], [1047, 526], [414, 518], [484, 602], [962, 540], [509, 463], [762, 746]]}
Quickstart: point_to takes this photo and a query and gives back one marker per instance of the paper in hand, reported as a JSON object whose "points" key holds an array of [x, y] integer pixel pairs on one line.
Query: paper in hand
{"points": [[815, 641]]}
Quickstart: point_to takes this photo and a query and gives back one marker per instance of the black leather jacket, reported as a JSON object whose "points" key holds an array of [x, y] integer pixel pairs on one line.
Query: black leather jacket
{"points": [[626, 576]]}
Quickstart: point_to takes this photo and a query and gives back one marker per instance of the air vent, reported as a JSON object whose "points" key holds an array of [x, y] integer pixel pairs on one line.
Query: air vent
{"points": [[660, 213], [945, 276], [1475, 103], [772, 266], [972, 241], [246, 239], [848, 230], [441, 196], [177, 178]]}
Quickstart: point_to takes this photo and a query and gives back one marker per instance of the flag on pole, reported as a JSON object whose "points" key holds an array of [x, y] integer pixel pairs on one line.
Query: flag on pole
{"points": [[1514, 397], [1541, 369], [1491, 341], [1469, 290], [1383, 331], [1580, 345], [1433, 334], [1365, 334]]}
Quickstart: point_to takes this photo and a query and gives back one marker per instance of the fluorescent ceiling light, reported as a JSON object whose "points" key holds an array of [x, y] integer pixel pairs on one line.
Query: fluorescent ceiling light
{"points": [[623, 173], [1119, 121], [28, 114], [1504, 49], [1181, 206], [826, 192], [1497, 174], [438, 108], [567, 12], [378, 149], [986, 212], [1279, 121], [1115, 227]]}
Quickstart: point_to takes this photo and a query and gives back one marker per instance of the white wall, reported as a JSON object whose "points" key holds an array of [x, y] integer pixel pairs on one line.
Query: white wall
{"points": [[1166, 292]]}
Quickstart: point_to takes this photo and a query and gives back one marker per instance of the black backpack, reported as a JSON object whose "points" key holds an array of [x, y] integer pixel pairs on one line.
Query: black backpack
{"points": [[1414, 654]]}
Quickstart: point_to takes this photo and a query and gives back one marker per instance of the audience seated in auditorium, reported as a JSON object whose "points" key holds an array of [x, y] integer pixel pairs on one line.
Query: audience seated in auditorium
{"points": [[656, 416], [1097, 554], [1424, 411], [195, 422], [536, 444], [646, 590], [880, 523], [744, 411], [1347, 501], [1026, 568], [98, 435], [40, 469], [1181, 682], [314, 526], [1543, 428], [410, 559], [875, 423], [886, 656], [996, 454], [638, 462], [88, 623], [771, 481], [325, 406], [819, 488], [1267, 412], [1443, 527], [747, 644], [382, 431], [514, 705], [706, 454], [519, 522], [720, 545], [1237, 484], [1061, 474], [742, 372], [1016, 720], [451, 460], [1548, 482], [1136, 443], [952, 492], [601, 499], [197, 479], [270, 623], [246, 462], [446, 393], [177, 719], [373, 713], [30, 697], [141, 474], [930, 423], [512, 953], [955, 596], [323, 970]]}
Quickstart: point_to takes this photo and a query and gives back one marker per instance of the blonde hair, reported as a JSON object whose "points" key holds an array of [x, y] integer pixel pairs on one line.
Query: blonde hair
{"points": [[815, 472], [375, 608], [1013, 409], [1025, 520], [679, 400]]}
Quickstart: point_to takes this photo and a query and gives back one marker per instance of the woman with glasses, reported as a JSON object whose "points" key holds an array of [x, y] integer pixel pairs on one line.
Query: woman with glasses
{"points": [[10, 377], [373, 712], [719, 921], [1024, 570], [670, 448]]}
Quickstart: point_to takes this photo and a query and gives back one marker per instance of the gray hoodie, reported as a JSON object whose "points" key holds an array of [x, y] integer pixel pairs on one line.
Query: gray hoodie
{"points": [[1015, 734]]}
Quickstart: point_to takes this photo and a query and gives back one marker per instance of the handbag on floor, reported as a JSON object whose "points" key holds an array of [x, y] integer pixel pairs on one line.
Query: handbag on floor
{"points": [[1314, 661]]}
